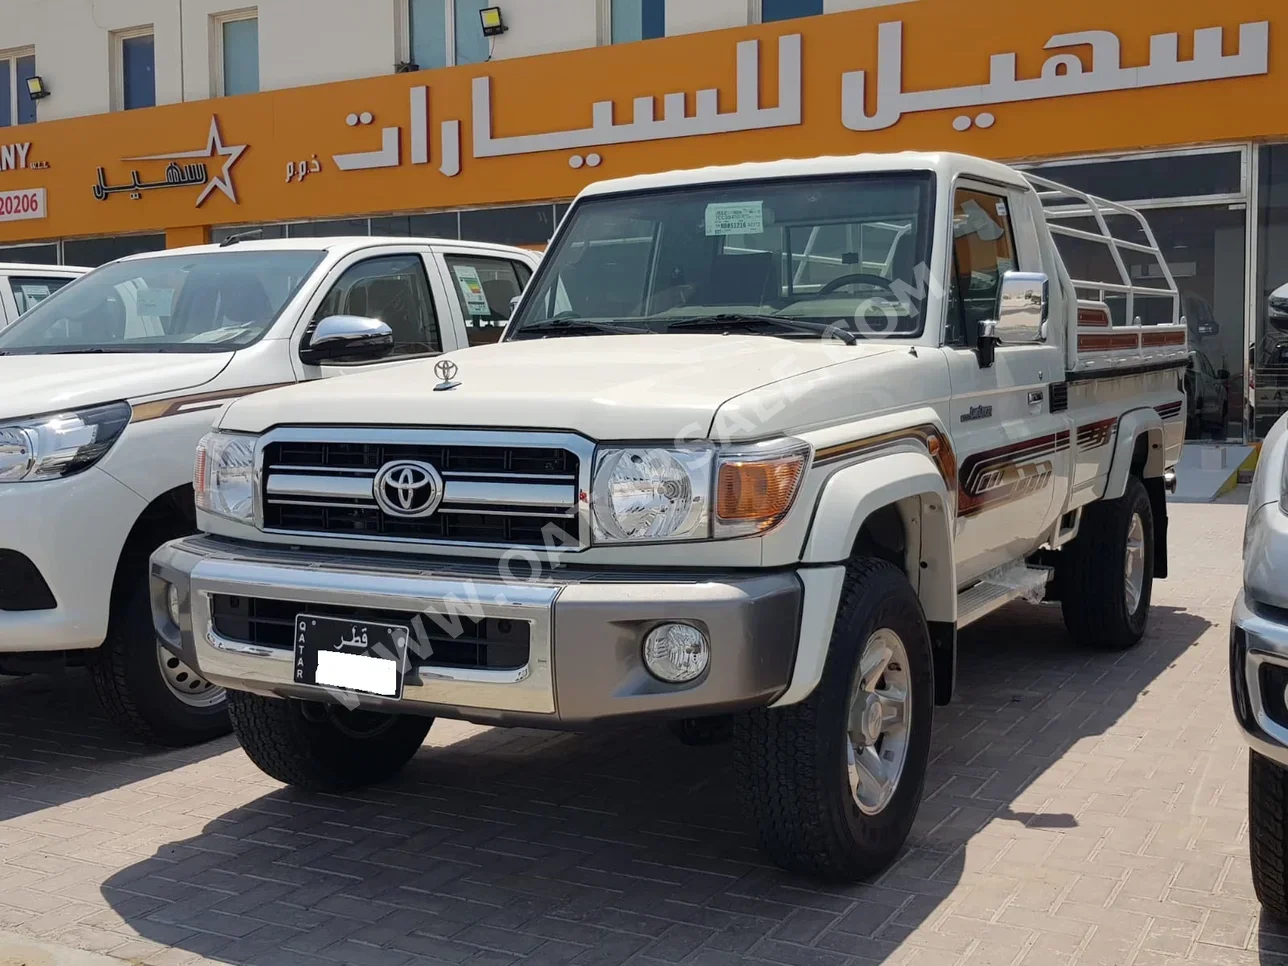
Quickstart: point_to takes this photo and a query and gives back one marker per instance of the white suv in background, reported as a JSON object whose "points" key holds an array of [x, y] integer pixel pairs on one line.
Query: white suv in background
{"points": [[106, 388], [24, 286]]}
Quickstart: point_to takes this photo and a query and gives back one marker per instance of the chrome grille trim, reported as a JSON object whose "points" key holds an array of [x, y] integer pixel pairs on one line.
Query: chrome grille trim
{"points": [[509, 494]]}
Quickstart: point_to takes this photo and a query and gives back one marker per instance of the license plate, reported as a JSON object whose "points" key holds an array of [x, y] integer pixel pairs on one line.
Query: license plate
{"points": [[359, 656]]}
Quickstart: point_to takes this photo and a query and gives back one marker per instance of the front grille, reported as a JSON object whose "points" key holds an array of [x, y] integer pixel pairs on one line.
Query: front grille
{"points": [[502, 495], [487, 642]]}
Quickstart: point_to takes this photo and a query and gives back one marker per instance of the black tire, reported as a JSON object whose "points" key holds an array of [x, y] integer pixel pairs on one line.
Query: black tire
{"points": [[1092, 573], [323, 748], [1268, 833], [791, 762], [132, 690]]}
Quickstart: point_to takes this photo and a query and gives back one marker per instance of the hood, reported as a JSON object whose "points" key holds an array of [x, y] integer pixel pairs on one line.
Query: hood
{"points": [[35, 384], [658, 387]]}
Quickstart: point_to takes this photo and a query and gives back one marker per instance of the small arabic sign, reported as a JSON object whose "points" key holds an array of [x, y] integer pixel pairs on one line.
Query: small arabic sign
{"points": [[181, 176], [22, 205]]}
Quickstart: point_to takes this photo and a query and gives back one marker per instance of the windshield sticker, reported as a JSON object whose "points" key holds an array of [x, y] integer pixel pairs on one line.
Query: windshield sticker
{"points": [[467, 277], [154, 301], [34, 293], [736, 218]]}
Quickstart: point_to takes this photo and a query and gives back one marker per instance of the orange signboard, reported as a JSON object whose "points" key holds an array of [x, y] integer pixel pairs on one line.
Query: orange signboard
{"points": [[1035, 81]]}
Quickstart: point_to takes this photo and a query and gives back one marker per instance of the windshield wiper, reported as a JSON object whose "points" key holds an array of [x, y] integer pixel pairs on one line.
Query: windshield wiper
{"points": [[570, 326], [732, 320]]}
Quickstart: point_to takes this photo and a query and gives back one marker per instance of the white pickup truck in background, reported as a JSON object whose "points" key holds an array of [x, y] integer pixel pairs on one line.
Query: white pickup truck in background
{"points": [[106, 388], [24, 286], [758, 441]]}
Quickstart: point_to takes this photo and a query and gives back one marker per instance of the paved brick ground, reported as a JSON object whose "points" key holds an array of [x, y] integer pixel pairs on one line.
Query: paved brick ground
{"points": [[1081, 809]]}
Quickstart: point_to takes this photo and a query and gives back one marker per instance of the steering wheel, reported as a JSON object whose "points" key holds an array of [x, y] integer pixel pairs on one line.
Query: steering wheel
{"points": [[855, 278]]}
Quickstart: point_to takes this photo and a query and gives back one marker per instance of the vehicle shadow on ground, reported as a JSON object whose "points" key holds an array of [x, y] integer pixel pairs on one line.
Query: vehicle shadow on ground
{"points": [[553, 848], [57, 747]]}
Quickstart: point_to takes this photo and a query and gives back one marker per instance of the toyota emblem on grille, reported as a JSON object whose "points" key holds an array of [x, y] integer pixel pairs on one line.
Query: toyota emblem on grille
{"points": [[408, 489]]}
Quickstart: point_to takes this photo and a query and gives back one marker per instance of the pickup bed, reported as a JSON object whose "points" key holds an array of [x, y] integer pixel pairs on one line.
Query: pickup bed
{"points": [[107, 386], [757, 442]]}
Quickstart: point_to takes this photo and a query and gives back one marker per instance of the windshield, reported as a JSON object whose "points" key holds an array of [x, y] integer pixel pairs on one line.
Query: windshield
{"points": [[208, 302], [835, 251]]}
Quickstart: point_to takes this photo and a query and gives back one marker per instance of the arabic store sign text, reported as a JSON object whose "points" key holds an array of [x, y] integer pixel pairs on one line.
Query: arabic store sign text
{"points": [[1064, 74], [174, 175], [1093, 78]]}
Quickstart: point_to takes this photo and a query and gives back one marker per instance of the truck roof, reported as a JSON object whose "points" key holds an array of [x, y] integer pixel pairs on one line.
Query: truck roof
{"points": [[342, 244], [945, 163], [29, 267]]}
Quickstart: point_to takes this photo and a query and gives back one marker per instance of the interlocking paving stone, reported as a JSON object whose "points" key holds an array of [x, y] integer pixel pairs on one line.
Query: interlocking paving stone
{"points": [[1081, 809]]}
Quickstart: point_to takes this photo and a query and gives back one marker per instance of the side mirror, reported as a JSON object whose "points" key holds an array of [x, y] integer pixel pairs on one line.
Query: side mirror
{"points": [[514, 304], [1022, 308], [1279, 305], [348, 338], [1223, 374]]}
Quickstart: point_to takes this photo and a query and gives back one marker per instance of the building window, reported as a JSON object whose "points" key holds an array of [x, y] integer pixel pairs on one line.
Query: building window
{"points": [[237, 56], [771, 10], [427, 30], [637, 20], [471, 46], [135, 69], [441, 33], [16, 105]]}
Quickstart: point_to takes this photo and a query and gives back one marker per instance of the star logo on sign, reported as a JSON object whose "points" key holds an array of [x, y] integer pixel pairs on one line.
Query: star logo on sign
{"points": [[215, 147]]}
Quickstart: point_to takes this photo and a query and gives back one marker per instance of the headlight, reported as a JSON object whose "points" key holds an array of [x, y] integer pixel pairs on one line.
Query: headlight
{"points": [[223, 476], [60, 444], [642, 494], [651, 494], [1283, 485]]}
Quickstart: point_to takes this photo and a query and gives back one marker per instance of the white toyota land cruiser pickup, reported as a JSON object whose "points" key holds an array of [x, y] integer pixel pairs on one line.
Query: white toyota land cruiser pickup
{"points": [[107, 386], [756, 443]]}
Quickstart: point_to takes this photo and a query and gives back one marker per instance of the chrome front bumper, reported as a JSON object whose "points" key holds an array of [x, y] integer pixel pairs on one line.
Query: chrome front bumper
{"points": [[1258, 640], [585, 631]]}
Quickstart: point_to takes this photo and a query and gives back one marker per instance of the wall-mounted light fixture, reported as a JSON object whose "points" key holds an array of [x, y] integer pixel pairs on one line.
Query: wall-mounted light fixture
{"points": [[493, 25], [36, 87]]}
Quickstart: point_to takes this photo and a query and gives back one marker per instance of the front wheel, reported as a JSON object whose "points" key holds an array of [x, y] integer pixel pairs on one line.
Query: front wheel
{"points": [[324, 748], [832, 784], [1107, 574], [147, 690]]}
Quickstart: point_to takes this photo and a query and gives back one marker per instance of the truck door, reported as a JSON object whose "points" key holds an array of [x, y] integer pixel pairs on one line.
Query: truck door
{"points": [[481, 287], [390, 285], [1012, 452]]}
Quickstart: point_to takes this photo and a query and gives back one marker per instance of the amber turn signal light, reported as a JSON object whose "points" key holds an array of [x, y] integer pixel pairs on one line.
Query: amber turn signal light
{"points": [[757, 493]]}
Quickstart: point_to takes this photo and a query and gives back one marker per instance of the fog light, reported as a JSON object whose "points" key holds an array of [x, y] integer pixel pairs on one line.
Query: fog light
{"points": [[172, 603], [676, 653]]}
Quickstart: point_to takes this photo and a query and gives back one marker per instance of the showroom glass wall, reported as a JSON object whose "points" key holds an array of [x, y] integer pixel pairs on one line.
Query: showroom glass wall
{"points": [[1269, 350], [1196, 203]]}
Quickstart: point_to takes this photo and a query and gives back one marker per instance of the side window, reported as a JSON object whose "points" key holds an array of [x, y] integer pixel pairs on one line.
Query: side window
{"points": [[30, 292], [484, 287], [393, 289], [983, 251]]}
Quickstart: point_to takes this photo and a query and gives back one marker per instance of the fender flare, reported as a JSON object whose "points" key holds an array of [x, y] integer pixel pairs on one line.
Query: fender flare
{"points": [[1134, 424], [911, 481]]}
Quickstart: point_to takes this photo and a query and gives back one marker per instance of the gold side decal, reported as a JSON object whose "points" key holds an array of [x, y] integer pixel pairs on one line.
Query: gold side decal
{"points": [[194, 403]]}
